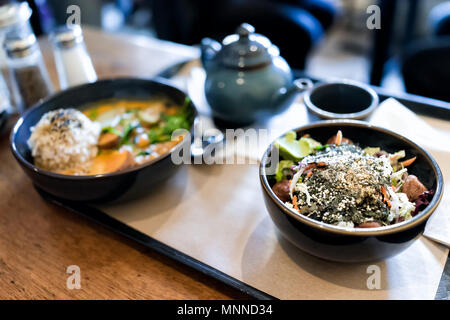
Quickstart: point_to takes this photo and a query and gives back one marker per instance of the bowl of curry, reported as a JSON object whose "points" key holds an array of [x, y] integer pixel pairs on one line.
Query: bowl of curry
{"points": [[106, 141]]}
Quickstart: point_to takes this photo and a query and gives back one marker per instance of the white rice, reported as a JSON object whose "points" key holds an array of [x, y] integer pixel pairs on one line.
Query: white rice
{"points": [[64, 139]]}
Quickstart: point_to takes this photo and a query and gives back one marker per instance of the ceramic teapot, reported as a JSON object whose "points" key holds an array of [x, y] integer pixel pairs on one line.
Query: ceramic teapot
{"points": [[246, 78]]}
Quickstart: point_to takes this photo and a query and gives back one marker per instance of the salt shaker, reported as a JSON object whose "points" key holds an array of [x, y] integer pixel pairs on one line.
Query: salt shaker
{"points": [[73, 62], [27, 69]]}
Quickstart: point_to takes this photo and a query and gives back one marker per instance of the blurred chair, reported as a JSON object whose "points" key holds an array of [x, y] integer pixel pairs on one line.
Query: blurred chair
{"points": [[425, 68], [440, 19], [425, 64], [292, 25], [323, 10]]}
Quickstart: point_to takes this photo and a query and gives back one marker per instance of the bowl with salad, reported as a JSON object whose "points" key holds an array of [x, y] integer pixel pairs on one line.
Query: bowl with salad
{"points": [[348, 191]]}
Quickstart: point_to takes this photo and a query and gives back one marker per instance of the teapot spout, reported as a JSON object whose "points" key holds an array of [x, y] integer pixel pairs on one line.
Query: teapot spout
{"points": [[297, 86], [209, 49]]}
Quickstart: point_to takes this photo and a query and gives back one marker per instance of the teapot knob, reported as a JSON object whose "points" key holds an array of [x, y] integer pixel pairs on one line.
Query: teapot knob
{"points": [[245, 29], [209, 49]]}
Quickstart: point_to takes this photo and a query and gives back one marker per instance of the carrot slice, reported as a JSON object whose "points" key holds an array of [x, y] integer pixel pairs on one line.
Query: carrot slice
{"points": [[143, 141], [383, 191], [309, 174], [339, 137], [385, 196], [408, 162], [295, 203]]}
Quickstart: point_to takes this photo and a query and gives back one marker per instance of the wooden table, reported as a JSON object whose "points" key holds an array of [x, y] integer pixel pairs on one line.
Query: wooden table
{"points": [[38, 240]]}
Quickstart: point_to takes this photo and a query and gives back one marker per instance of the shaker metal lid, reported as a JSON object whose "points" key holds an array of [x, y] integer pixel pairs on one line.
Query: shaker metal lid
{"points": [[20, 47], [67, 36], [247, 49], [13, 13]]}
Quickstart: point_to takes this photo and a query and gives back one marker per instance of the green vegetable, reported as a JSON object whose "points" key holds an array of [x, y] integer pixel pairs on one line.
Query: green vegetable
{"points": [[93, 114], [322, 147], [282, 167], [295, 150], [394, 160], [123, 135], [126, 133], [174, 122], [371, 151], [186, 112], [112, 130], [157, 135], [185, 107], [133, 110], [396, 177], [398, 155], [143, 153]]}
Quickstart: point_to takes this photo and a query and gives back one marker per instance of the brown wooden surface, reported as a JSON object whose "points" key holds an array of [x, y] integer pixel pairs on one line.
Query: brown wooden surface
{"points": [[38, 240]]}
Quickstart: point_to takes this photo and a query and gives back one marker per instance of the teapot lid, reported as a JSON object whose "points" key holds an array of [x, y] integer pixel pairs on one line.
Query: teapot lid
{"points": [[247, 49]]}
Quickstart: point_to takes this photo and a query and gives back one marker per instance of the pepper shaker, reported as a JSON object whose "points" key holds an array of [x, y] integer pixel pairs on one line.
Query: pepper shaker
{"points": [[28, 69], [73, 62], [14, 22]]}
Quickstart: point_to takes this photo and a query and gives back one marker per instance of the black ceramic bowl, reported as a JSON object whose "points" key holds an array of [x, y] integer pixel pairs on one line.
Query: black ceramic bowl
{"points": [[353, 244], [344, 99], [120, 185]]}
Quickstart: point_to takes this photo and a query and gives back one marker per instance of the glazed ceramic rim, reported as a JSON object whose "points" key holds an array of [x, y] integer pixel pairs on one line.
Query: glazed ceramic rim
{"points": [[332, 115], [385, 230], [34, 168]]}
